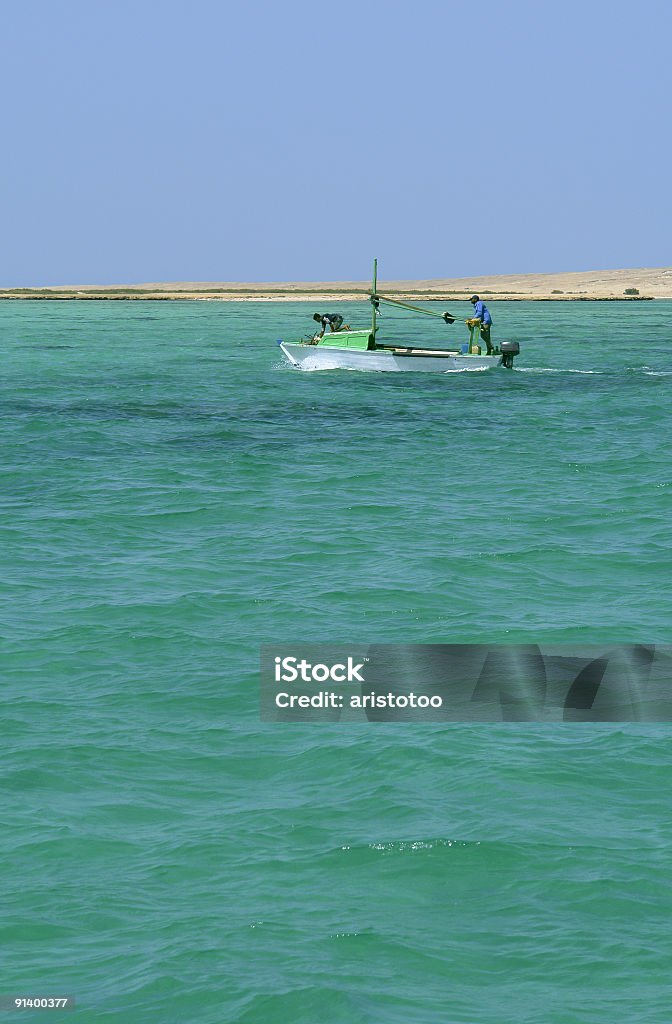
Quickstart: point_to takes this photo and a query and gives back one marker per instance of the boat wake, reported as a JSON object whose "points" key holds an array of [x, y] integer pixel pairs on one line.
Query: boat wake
{"points": [[554, 369], [645, 370]]}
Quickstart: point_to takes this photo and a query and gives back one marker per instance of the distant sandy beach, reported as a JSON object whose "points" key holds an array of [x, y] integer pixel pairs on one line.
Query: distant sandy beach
{"points": [[640, 283]]}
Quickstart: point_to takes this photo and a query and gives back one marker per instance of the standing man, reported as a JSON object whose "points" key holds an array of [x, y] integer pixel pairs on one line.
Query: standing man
{"points": [[334, 320], [483, 319]]}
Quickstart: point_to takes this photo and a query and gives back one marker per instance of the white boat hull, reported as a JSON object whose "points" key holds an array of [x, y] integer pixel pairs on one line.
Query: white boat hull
{"points": [[314, 357]]}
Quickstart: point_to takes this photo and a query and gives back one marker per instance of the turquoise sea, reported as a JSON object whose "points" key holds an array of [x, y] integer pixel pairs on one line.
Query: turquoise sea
{"points": [[172, 496]]}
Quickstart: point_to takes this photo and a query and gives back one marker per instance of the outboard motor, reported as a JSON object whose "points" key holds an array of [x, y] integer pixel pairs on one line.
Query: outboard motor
{"points": [[509, 350]]}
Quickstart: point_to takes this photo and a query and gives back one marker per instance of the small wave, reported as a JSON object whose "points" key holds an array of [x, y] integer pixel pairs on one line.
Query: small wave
{"points": [[405, 846]]}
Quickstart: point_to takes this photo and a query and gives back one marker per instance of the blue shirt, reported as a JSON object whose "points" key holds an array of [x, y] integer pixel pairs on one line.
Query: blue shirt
{"points": [[482, 313]]}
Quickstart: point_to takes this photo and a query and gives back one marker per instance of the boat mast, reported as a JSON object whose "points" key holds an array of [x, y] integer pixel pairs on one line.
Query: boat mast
{"points": [[373, 302]]}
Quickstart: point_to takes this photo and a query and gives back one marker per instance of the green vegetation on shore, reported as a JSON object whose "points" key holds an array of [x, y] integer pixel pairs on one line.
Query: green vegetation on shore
{"points": [[298, 295]]}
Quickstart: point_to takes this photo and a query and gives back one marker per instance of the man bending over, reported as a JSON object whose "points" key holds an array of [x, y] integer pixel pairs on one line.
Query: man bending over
{"points": [[334, 320]]}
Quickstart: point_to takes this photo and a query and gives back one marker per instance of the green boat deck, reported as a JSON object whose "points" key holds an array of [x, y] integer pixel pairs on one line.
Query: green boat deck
{"points": [[361, 340]]}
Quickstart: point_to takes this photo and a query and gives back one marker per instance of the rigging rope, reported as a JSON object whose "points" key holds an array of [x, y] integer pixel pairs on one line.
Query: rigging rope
{"points": [[448, 317]]}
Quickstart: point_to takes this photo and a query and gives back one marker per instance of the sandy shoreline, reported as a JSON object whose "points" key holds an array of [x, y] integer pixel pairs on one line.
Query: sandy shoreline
{"points": [[606, 285]]}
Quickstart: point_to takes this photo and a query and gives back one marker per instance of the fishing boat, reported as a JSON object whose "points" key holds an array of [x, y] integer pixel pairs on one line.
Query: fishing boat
{"points": [[347, 349]]}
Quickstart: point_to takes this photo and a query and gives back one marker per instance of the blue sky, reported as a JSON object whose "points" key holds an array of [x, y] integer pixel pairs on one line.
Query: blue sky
{"points": [[256, 141]]}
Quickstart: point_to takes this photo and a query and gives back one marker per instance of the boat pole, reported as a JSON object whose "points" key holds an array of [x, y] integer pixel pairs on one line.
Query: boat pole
{"points": [[373, 303]]}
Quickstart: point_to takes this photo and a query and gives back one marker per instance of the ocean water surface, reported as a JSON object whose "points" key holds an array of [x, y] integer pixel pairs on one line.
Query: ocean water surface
{"points": [[173, 495]]}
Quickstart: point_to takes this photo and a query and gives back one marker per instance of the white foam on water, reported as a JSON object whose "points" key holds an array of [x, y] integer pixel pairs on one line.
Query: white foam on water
{"points": [[468, 369]]}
